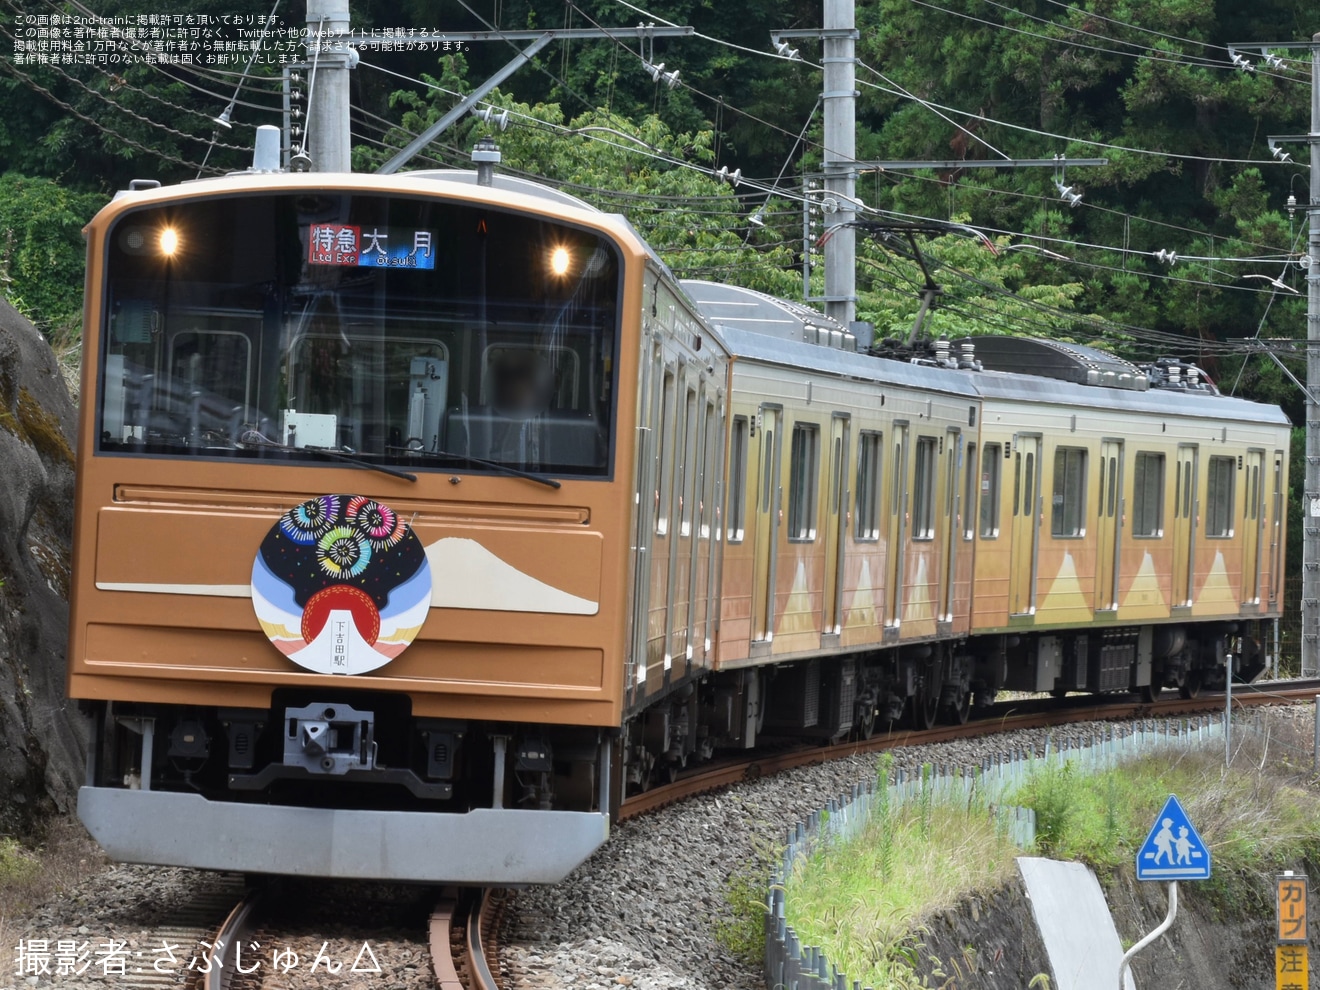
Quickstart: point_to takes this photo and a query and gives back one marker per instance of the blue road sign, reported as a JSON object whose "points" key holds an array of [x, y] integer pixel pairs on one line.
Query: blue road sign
{"points": [[1173, 850]]}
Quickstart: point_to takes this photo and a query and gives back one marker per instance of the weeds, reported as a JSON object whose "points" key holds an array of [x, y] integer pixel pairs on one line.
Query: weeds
{"points": [[861, 900], [742, 930]]}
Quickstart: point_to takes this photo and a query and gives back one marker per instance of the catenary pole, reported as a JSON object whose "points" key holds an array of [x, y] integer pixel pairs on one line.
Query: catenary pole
{"points": [[840, 160], [327, 137], [1311, 522]]}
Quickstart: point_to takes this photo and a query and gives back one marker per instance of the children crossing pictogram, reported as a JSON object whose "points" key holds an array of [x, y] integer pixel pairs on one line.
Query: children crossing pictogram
{"points": [[1173, 850]]}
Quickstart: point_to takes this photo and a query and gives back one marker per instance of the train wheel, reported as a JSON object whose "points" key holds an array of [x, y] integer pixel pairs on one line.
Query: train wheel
{"points": [[957, 713], [1191, 684], [865, 720], [1150, 693], [925, 710]]}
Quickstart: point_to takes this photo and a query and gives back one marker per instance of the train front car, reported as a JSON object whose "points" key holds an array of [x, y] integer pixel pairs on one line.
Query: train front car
{"points": [[355, 483]]}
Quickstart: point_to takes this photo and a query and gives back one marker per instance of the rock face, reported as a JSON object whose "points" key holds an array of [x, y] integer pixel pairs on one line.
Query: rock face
{"points": [[42, 736]]}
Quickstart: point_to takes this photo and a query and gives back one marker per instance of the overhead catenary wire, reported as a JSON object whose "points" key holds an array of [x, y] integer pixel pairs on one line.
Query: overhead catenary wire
{"points": [[933, 105], [877, 211], [9, 67]]}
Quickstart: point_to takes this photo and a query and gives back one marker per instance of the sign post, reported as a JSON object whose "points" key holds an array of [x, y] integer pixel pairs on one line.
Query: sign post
{"points": [[1172, 851], [1292, 969]]}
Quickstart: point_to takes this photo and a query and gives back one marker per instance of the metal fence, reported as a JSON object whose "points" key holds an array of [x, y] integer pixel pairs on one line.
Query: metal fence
{"points": [[790, 965]]}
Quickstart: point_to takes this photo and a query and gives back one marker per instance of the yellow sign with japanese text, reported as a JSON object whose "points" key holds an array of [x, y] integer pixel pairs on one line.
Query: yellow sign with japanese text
{"points": [[1292, 971], [1290, 909]]}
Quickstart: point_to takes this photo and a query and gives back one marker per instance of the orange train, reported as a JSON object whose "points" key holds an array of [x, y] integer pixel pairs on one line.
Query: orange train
{"points": [[420, 516]]}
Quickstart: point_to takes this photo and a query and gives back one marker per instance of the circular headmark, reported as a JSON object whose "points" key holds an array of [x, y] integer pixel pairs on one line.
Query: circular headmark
{"points": [[341, 584]]}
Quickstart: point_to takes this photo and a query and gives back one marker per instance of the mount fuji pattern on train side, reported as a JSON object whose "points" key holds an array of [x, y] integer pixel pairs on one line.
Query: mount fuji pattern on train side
{"points": [[464, 574]]}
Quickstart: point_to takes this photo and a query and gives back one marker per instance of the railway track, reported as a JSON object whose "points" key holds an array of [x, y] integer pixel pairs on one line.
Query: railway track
{"points": [[462, 924], [460, 939], [1002, 717]]}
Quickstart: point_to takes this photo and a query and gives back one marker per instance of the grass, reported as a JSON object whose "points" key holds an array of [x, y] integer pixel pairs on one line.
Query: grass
{"points": [[32, 875], [1257, 815], [862, 901]]}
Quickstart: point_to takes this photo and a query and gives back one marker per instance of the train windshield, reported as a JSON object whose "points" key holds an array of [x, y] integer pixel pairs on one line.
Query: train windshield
{"points": [[408, 332]]}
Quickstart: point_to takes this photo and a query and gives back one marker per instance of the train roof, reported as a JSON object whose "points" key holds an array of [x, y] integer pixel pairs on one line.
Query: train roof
{"points": [[1003, 386], [746, 309]]}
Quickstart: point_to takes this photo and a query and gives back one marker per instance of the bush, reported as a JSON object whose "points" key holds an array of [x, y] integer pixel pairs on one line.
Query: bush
{"points": [[42, 254]]}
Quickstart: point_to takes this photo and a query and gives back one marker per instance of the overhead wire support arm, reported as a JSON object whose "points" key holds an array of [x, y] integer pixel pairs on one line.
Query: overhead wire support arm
{"points": [[539, 39]]}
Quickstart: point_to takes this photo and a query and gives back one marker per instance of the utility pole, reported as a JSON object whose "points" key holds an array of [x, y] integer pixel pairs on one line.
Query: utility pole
{"points": [[330, 57], [839, 200], [1311, 496], [840, 100]]}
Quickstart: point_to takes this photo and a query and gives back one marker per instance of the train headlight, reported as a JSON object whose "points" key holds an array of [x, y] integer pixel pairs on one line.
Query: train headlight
{"points": [[559, 261], [169, 242]]}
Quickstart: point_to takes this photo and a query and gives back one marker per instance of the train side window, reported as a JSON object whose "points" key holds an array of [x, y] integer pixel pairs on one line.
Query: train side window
{"points": [[665, 474], [1069, 501], [1253, 490], [969, 494], [710, 470], [804, 473], [687, 487], [1148, 495], [1219, 497], [737, 512], [867, 526], [989, 508], [923, 489]]}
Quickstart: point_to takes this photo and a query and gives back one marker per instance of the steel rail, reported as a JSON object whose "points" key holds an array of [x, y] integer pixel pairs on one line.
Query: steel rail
{"points": [[1011, 719]]}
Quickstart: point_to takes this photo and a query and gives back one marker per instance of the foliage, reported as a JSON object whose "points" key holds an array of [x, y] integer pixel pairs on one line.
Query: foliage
{"points": [[658, 179], [41, 246], [741, 929], [928, 855], [17, 865], [1253, 816]]}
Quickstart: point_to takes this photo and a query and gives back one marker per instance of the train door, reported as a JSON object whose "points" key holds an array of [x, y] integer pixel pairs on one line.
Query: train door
{"points": [[1184, 524], [1253, 527], [675, 629], [769, 493], [703, 562], [898, 509], [647, 507], [952, 493], [700, 529], [1109, 530], [836, 530], [1026, 525], [1276, 528]]}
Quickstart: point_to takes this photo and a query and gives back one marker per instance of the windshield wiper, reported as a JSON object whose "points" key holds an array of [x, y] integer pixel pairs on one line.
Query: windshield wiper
{"points": [[337, 455], [495, 465], [361, 462]]}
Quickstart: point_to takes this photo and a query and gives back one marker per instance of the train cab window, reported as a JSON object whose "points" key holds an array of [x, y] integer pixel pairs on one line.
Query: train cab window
{"points": [[804, 472], [923, 489], [1069, 499], [866, 527], [988, 515], [737, 512], [1148, 495], [399, 330], [1219, 497]]}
